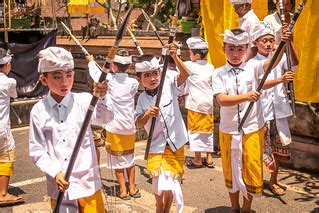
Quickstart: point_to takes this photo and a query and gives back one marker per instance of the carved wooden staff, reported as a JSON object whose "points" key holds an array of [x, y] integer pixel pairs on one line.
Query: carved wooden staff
{"points": [[93, 102], [76, 41], [281, 45], [160, 87], [290, 83], [152, 26]]}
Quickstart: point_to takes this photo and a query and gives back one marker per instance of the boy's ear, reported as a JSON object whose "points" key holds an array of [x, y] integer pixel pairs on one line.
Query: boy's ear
{"points": [[254, 43], [43, 80]]}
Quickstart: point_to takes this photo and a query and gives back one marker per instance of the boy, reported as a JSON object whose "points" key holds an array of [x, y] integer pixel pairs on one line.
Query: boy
{"points": [[120, 132], [7, 145], [55, 123], [275, 105], [234, 87], [248, 21], [199, 103], [166, 155]]}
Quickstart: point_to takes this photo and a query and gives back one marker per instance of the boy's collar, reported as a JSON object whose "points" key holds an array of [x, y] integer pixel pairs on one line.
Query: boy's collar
{"points": [[229, 66], [65, 101], [151, 92]]}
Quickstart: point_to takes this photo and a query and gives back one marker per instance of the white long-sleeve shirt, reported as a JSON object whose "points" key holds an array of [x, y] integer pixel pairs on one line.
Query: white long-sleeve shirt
{"points": [[7, 91], [54, 128]]}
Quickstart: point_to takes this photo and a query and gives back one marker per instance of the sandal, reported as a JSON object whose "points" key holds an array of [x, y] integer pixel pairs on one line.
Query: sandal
{"points": [[191, 165], [10, 200], [208, 165], [127, 197], [137, 194], [276, 190]]}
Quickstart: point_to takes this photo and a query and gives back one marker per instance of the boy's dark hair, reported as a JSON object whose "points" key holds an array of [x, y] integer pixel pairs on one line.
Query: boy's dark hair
{"points": [[122, 67], [142, 58], [202, 52]]}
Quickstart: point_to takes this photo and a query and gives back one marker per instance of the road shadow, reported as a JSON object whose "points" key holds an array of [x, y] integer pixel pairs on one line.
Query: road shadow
{"points": [[218, 209], [16, 191]]}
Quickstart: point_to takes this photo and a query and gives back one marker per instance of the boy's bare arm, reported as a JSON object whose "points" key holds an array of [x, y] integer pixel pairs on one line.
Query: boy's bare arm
{"points": [[231, 100], [293, 54], [287, 76], [151, 112], [184, 72]]}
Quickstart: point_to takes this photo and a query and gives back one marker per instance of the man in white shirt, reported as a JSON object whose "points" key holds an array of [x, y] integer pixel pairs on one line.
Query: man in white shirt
{"points": [[248, 21], [7, 145]]}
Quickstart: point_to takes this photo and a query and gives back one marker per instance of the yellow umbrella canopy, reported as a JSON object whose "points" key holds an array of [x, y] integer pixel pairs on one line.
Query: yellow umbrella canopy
{"points": [[85, 6]]}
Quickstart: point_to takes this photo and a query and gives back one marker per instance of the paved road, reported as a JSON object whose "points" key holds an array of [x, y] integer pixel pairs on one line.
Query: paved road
{"points": [[203, 188]]}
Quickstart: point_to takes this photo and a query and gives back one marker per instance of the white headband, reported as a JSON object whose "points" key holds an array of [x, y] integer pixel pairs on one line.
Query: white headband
{"points": [[240, 39], [6, 59], [261, 31], [147, 66], [240, 1], [122, 59], [55, 58], [196, 43]]}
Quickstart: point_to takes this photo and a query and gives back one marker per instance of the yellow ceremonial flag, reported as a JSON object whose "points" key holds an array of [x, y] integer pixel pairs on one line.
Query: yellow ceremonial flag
{"points": [[306, 40], [85, 6], [218, 15]]}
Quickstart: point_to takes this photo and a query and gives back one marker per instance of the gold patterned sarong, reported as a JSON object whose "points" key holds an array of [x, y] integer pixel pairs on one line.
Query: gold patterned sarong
{"points": [[199, 122], [120, 144], [252, 165], [170, 162]]}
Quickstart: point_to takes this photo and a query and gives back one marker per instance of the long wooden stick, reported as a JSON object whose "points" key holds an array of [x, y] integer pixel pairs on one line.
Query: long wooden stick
{"points": [[76, 41], [290, 83], [93, 102], [281, 45], [152, 26], [160, 87]]}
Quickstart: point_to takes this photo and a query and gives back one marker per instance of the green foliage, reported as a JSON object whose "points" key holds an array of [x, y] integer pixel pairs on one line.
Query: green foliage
{"points": [[163, 13]]}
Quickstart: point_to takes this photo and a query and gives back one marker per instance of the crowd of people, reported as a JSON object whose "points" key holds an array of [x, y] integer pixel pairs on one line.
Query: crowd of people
{"points": [[264, 140]]}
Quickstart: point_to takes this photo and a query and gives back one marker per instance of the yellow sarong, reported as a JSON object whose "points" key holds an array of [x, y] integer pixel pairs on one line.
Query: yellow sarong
{"points": [[120, 144], [170, 162], [252, 165], [199, 122]]}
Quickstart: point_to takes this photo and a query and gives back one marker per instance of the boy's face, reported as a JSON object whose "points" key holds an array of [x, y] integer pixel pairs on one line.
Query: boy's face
{"points": [[150, 80], [7, 68], [240, 9], [265, 44], [59, 83], [235, 54]]}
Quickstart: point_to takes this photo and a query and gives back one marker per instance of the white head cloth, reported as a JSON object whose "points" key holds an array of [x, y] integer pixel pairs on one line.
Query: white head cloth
{"points": [[123, 59], [241, 1], [262, 30], [196, 43], [55, 58], [6, 57], [147, 66], [240, 39]]}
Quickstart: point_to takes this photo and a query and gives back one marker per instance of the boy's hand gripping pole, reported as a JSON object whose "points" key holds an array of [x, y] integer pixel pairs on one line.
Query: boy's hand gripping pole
{"points": [[160, 87]]}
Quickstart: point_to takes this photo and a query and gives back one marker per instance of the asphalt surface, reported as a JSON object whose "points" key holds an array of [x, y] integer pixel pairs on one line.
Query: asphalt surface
{"points": [[203, 188]]}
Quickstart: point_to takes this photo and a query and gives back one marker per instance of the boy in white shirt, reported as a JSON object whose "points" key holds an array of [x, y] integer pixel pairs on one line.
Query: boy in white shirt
{"points": [[7, 144], [234, 86], [120, 132], [199, 103], [275, 105], [166, 155], [55, 123]]}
